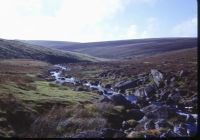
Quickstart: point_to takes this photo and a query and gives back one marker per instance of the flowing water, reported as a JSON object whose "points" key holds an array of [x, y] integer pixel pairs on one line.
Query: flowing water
{"points": [[59, 79]]}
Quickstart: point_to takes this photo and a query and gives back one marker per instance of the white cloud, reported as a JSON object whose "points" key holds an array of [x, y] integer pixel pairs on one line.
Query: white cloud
{"points": [[135, 31], [78, 20], [75, 20], [187, 28]]}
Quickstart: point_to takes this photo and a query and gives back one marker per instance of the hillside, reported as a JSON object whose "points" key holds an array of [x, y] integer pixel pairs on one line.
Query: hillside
{"points": [[36, 103], [14, 49], [126, 49], [48, 43]]}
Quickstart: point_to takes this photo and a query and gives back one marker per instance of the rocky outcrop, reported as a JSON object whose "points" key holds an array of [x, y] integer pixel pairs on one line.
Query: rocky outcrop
{"points": [[154, 104], [158, 77]]}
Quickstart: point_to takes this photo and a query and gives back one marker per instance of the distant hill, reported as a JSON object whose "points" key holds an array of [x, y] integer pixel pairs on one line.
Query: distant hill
{"points": [[127, 49], [14, 49], [48, 43]]}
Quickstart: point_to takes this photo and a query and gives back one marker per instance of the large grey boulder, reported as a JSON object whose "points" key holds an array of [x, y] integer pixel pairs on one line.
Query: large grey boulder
{"points": [[158, 77], [147, 91]]}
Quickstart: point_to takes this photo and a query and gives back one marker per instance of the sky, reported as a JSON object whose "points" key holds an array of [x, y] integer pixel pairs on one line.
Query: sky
{"points": [[97, 20]]}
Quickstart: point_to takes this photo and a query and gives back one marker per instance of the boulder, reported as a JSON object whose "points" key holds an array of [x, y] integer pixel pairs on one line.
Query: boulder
{"points": [[149, 125], [168, 133], [158, 77], [147, 91], [119, 99], [108, 86], [104, 99], [95, 83], [161, 123], [163, 95], [183, 73], [159, 112], [100, 133], [142, 103], [126, 84], [129, 124], [81, 88], [89, 134], [135, 114], [174, 98], [180, 129]]}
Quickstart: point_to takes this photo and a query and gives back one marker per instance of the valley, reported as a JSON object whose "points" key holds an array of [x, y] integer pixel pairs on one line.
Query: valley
{"points": [[91, 97]]}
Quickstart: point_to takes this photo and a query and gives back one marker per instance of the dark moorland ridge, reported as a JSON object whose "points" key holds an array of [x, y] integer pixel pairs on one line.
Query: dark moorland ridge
{"points": [[123, 49], [14, 49], [48, 43]]}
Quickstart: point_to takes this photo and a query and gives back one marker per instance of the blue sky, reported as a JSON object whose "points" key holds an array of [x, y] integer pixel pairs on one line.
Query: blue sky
{"points": [[97, 20]]}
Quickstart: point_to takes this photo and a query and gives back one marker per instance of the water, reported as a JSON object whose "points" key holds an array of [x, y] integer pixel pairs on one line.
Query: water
{"points": [[191, 128]]}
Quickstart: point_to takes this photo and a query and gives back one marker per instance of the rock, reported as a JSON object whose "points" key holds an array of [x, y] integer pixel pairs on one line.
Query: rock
{"points": [[50, 79], [132, 98], [132, 123], [125, 125], [126, 84], [163, 95], [83, 81], [80, 88], [68, 76], [135, 114], [135, 134], [108, 86], [161, 123], [169, 133], [95, 83], [142, 103], [159, 112], [147, 91], [180, 129], [157, 77], [104, 99], [129, 124], [119, 99], [101, 133], [134, 106], [113, 133], [103, 74], [174, 98], [183, 73], [89, 134], [149, 125], [191, 129], [150, 136], [186, 118]]}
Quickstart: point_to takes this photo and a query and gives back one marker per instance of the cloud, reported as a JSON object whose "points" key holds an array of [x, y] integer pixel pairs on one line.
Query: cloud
{"points": [[135, 31], [79, 20], [74, 20], [187, 28]]}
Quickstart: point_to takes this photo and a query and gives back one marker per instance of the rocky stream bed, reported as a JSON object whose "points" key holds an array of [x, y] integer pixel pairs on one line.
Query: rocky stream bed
{"points": [[155, 104]]}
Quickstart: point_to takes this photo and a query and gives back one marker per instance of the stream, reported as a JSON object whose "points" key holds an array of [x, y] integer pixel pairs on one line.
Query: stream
{"points": [[105, 91], [108, 92]]}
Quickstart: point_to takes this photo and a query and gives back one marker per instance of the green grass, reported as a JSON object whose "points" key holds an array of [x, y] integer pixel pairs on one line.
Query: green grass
{"points": [[46, 93]]}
